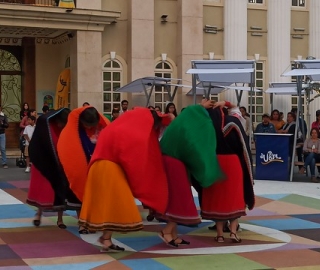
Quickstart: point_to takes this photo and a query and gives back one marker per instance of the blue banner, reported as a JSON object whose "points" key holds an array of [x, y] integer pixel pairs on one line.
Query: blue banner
{"points": [[272, 156]]}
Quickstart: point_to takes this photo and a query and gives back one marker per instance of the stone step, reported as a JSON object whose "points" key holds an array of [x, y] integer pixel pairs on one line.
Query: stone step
{"points": [[13, 152]]}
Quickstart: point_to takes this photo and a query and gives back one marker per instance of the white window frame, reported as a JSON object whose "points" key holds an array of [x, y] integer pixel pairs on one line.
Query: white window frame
{"points": [[114, 84], [299, 3], [257, 109], [160, 91]]}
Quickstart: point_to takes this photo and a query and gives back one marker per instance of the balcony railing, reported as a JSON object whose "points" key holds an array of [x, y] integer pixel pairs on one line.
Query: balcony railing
{"points": [[33, 2]]}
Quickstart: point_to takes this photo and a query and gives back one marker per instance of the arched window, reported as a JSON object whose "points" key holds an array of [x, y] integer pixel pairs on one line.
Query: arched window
{"points": [[10, 85], [164, 70], [112, 80]]}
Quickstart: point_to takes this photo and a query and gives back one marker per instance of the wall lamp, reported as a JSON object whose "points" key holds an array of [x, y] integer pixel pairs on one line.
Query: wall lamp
{"points": [[164, 18], [112, 55], [211, 29], [298, 29]]}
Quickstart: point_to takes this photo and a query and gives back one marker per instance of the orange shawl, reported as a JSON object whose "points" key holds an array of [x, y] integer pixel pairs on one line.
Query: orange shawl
{"points": [[71, 153]]}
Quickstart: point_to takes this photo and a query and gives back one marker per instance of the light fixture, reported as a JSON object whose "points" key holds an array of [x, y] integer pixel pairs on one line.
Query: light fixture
{"points": [[298, 29], [164, 18], [297, 36], [210, 31], [163, 57], [255, 27], [299, 57], [112, 55], [211, 55], [257, 56], [256, 34]]}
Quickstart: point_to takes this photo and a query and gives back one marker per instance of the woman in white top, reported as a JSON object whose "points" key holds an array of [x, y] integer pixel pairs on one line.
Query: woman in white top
{"points": [[311, 150]]}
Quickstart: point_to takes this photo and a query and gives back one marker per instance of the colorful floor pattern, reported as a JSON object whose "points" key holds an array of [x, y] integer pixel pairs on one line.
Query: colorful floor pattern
{"points": [[282, 232]]}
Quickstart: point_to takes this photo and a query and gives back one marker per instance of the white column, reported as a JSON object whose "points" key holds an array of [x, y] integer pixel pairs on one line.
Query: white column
{"points": [[235, 35], [141, 43], [314, 32], [314, 41], [189, 42], [279, 24], [85, 62]]}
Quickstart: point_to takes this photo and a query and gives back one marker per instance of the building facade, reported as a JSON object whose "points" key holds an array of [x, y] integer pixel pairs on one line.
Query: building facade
{"points": [[109, 43]]}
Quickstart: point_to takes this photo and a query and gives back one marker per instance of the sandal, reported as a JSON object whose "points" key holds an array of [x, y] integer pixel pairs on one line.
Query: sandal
{"points": [[219, 239], [61, 225], [234, 238], [182, 242], [170, 243], [83, 230], [37, 220], [111, 248]]}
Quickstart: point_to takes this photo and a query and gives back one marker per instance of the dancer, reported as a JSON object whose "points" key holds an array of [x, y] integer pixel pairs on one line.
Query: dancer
{"points": [[48, 184], [126, 164], [228, 199], [183, 152], [75, 148]]}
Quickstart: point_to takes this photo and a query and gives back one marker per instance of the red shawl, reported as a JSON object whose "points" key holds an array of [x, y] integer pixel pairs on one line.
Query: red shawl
{"points": [[131, 142]]}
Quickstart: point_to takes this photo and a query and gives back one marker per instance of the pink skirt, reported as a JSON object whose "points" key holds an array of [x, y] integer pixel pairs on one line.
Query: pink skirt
{"points": [[181, 207]]}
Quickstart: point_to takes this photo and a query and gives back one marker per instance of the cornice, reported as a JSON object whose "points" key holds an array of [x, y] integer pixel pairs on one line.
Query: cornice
{"points": [[55, 17]]}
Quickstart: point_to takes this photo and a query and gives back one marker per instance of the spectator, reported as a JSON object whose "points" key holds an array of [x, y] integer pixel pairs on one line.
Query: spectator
{"points": [[124, 106], [246, 116], [311, 150], [85, 104], [115, 114], [45, 109], [24, 121], [265, 126], [302, 124], [24, 110], [316, 124], [157, 109], [3, 125], [289, 128], [27, 133], [281, 116], [171, 108], [276, 120]]}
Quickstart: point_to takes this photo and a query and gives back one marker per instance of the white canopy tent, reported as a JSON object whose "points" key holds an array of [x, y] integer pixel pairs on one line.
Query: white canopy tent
{"points": [[223, 72], [205, 89], [310, 68], [281, 89], [148, 84]]}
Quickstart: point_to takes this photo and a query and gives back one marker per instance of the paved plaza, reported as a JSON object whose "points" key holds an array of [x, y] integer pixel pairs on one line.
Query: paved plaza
{"points": [[282, 232]]}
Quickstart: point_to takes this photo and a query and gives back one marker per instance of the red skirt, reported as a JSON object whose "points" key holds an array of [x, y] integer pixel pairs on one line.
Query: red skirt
{"points": [[224, 200], [40, 192], [181, 207]]}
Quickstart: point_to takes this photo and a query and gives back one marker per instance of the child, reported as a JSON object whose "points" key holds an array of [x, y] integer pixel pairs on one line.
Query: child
{"points": [[27, 133]]}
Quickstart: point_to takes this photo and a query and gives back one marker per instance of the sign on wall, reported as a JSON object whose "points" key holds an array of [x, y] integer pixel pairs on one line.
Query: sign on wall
{"points": [[62, 90]]}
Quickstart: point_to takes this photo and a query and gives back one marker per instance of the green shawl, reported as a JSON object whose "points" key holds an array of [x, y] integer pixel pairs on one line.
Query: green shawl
{"points": [[191, 138]]}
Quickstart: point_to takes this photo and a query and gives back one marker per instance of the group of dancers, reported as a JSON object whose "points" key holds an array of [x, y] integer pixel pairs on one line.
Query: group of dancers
{"points": [[81, 161]]}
